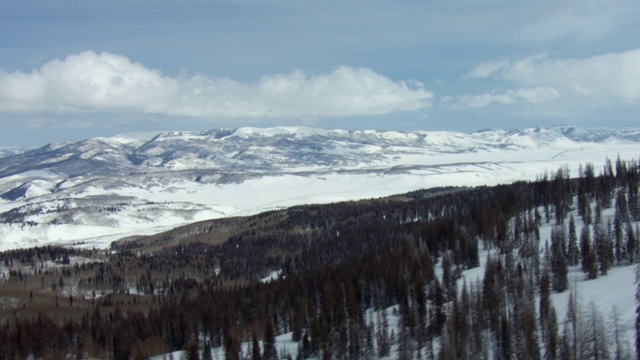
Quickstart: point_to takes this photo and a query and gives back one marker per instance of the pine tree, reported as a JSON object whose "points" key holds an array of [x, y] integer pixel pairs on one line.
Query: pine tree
{"points": [[296, 325], [584, 208], [632, 244], [594, 344], [493, 295], [206, 351], [382, 334], [192, 351], [573, 252], [472, 259], [255, 347], [559, 270], [564, 351], [304, 346], [369, 349], [551, 335], [449, 282], [269, 341], [545, 300], [616, 331], [572, 326], [231, 345], [436, 311], [447, 344], [619, 240], [602, 245], [505, 340], [589, 259]]}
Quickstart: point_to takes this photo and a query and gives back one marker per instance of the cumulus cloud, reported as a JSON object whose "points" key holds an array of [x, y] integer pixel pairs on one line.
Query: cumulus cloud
{"points": [[613, 77], [97, 82]]}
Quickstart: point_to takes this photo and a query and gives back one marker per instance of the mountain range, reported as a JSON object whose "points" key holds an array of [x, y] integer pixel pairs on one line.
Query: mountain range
{"points": [[94, 191]]}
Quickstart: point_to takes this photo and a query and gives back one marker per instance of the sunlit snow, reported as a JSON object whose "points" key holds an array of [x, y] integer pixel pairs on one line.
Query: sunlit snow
{"points": [[160, 193]]}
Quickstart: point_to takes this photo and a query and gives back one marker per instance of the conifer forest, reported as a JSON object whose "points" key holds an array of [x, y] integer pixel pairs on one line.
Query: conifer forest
{"points": [[371, 279]]}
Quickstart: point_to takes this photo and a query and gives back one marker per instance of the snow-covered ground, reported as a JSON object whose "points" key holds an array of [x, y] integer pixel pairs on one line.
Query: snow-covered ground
{"points": [[158, 206]]}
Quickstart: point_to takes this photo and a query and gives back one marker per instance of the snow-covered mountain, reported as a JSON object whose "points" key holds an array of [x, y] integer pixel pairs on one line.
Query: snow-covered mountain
{"points": [[100, 189]]}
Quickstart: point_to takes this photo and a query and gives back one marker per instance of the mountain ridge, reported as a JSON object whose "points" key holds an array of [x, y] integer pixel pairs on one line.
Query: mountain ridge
{"points": [[172, 178]]}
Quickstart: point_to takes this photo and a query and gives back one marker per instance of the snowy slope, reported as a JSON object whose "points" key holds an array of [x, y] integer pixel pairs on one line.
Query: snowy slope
{"points": [[98, 190]]}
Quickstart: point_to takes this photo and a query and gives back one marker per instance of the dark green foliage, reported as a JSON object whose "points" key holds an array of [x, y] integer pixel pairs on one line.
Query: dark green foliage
{"points": [[269, 341], [559, 269], [589, 258], [573, 251]]}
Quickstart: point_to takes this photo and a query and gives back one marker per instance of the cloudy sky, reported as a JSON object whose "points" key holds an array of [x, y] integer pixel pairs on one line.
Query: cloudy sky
{"points": [[77, 69]]}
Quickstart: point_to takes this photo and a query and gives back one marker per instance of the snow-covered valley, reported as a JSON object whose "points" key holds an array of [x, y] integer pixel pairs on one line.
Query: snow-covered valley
{"points": [[95, 191]]}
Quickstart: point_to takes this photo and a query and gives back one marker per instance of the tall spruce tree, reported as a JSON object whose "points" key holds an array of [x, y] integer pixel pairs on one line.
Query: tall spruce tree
{"points": [[632, 244], [559, 271], [589, 259], [573, 252], [595, 344], [572, 326], [551, 336], [269, 341], [545, 300]]}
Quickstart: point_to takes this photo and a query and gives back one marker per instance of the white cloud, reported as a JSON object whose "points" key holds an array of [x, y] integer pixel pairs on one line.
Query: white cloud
{"points": [[533, 95], [613, 77], [92, 82]]}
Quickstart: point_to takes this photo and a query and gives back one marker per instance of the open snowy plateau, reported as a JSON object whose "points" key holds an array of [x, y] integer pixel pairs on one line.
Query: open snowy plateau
{"points": [[92, 192]]}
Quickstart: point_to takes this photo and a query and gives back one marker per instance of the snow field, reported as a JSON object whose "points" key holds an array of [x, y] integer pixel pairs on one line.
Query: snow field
{"points": [[182, 201]]}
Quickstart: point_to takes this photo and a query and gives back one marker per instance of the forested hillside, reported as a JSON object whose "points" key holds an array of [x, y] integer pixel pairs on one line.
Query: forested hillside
{"points": [[371, 279]]}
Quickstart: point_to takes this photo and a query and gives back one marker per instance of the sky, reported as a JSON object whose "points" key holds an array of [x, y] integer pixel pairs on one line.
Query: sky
{"points": [[71, 70]]}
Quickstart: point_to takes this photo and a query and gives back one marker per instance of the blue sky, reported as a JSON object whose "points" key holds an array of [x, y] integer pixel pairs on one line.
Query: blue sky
{"points": [[77, 69]]}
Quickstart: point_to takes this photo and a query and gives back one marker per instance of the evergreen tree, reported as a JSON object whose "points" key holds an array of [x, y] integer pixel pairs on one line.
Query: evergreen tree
{"points": [[449, 282], [231, 345], [617, 335], [589, 259], [473, 255], [545, 301], [602, 245], [369, 349], [269, 342], [206, 351], [447, 344], [564, 351], [573, 252], [382, 334], [255, 347], [594, 344], [192, 351], [551, 335], [632, 244], [621, 217], [559, 269], [572, 327], [524, 318], [493, 295], [505, 349]]}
